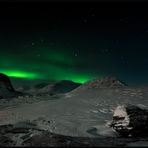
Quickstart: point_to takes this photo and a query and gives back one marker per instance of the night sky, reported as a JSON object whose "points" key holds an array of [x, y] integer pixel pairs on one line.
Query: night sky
{"points": [[75, 41]]}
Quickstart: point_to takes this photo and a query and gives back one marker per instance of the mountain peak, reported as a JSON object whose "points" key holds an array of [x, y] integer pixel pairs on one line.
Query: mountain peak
{"points": [[106, 82]]}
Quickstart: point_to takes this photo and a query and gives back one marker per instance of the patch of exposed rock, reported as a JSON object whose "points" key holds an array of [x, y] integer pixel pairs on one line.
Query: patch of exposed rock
{"points": [[130, 120], [6, 88]]}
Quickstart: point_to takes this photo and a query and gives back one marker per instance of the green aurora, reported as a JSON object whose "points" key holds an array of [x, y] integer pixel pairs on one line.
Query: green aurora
{"points": [[54, 66], [32, 76]]}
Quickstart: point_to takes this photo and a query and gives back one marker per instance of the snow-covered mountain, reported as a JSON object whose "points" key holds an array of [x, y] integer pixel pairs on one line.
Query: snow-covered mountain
{"points": [[107, 82], [58, 87]]}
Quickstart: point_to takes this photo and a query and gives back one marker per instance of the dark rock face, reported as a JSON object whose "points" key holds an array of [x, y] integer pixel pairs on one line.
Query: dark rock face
{"points": [[5, 83], [130, 120], [41, 85], [64, 86], [6, 88]]}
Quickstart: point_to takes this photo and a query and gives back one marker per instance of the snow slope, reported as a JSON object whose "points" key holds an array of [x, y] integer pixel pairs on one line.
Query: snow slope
{"points": [[73, 114]]}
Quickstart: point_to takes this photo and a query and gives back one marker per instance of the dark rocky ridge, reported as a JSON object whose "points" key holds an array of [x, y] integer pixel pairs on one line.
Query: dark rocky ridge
{"points": [[64, 86], [5, 83], [6, 88]]}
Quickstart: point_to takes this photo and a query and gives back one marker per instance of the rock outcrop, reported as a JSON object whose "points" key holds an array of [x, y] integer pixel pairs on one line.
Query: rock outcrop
{"points": [[130, 120], [6, 88], [5, 83]]}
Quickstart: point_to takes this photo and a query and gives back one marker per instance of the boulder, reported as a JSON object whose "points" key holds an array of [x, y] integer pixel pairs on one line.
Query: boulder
{"points": [[130, 120]]}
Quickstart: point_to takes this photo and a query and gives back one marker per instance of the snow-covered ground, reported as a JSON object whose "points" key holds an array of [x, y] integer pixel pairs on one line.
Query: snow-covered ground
{"points": [[80, 114]]}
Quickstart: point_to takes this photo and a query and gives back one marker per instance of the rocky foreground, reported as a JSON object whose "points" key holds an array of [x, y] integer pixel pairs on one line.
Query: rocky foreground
{"points": [[126, 120], [28, 134]]}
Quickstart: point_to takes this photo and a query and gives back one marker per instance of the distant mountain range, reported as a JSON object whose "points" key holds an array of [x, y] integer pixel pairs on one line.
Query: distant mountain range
{"points": [[58, 87], [52, 88]]}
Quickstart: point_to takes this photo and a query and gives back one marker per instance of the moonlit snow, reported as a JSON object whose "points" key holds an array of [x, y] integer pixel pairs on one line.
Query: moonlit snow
{"points": [[81, 114]]}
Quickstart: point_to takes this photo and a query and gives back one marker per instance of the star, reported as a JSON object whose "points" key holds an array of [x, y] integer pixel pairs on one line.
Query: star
{"points": [[75, 54], [38, 55], [85, 20], [121, 19], [104, 50], [93, 15], [32, 43], [42, 40]]}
